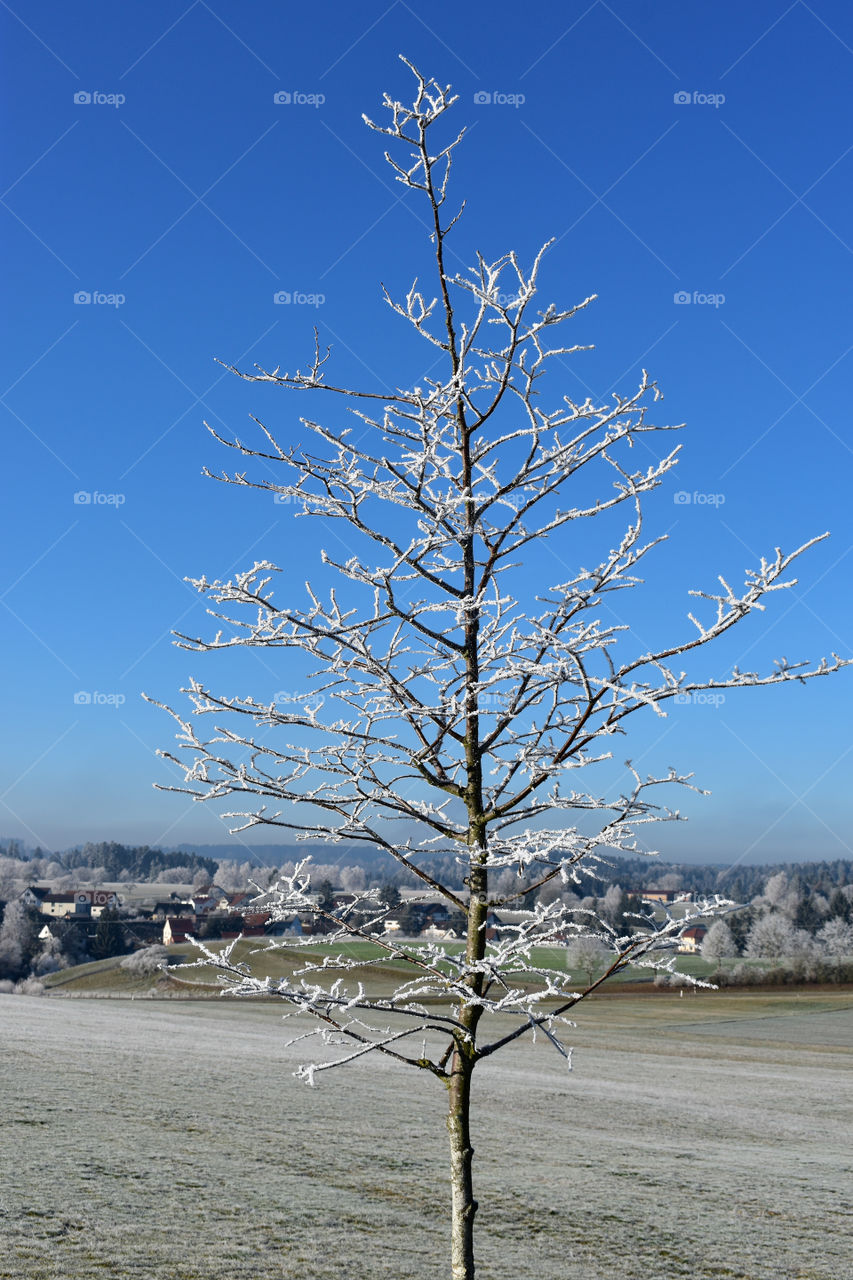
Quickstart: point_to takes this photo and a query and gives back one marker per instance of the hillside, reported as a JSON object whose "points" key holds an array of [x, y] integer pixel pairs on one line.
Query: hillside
{"points": [[108, 978], [105, 978]]}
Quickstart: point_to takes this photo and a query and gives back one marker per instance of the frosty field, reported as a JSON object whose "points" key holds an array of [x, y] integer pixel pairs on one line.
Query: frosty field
{"points": [[697, 1136]]}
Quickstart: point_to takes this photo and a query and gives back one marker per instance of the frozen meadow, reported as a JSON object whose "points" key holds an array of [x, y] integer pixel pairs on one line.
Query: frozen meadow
{"points": [[699, 1136]]}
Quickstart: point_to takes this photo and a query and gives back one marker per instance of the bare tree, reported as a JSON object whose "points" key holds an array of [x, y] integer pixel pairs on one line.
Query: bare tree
{"points": [[51, 957], [146, 962], [672, 881], [17, 873], [719, 943], [453, 701], [17, 939], [352, 879], [837, 938], [234, 876], [772, 937], [613, 904], [780, 895], [589, 954]]}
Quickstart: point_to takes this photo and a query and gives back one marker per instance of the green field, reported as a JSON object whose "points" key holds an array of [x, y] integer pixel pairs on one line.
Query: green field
{"points": [[698, 1136], [106, 977]]}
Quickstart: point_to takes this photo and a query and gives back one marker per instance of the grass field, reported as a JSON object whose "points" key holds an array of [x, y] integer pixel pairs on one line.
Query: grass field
{"points": [[698, 1136], [106, 977]]}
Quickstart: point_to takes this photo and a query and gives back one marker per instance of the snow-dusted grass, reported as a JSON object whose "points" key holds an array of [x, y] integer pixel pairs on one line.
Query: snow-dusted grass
{"points": [[698, 1136]]}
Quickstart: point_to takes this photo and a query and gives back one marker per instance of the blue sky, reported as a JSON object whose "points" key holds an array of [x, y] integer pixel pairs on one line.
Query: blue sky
{"points": [[700, 150]]}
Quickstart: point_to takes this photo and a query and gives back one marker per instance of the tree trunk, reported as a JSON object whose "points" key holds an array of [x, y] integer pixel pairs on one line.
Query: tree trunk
{"points": [[464, 1206]]}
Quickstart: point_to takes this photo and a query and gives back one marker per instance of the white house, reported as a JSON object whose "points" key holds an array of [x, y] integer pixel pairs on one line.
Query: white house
{"points": [[71, 902]]}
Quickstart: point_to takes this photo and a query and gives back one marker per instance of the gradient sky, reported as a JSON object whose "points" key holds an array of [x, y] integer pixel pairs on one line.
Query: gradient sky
{"points": [[704, 150]]}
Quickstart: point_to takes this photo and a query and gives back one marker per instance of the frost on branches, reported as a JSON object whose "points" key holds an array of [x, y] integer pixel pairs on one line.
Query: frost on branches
{"points": [[451, 698]]}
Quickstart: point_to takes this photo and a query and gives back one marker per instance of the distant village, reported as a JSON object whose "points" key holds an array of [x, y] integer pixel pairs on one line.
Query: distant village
{"points": [[110, 900], [209, 912]]}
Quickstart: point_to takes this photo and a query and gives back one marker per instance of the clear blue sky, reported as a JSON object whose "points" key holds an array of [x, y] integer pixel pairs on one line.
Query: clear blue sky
{"points": [[196, 197]]}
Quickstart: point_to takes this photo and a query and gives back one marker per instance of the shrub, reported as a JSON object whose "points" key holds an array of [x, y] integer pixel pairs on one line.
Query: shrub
{"points": [[144, 963], [785, 974], [29, 987]]}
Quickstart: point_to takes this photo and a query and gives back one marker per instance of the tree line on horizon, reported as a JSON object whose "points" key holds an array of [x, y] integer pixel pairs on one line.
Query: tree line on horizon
{"points": [[146, 864]]}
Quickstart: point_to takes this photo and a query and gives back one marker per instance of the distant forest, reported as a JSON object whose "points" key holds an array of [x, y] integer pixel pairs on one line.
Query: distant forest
{"points": [[739, 882], [141, 863]]}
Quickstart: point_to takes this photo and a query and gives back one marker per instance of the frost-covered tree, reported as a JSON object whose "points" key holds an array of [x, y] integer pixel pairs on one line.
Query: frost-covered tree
{"points": [[780, 895], [15, 874], [548, 893], [457, 701], [671, 882], [352, 879], [50, 958], [836, 937], [588, 954], [146, 961], [235, 876], [18, 939], [613, 904], [175, 875], [772, 937], [719, 943]]}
